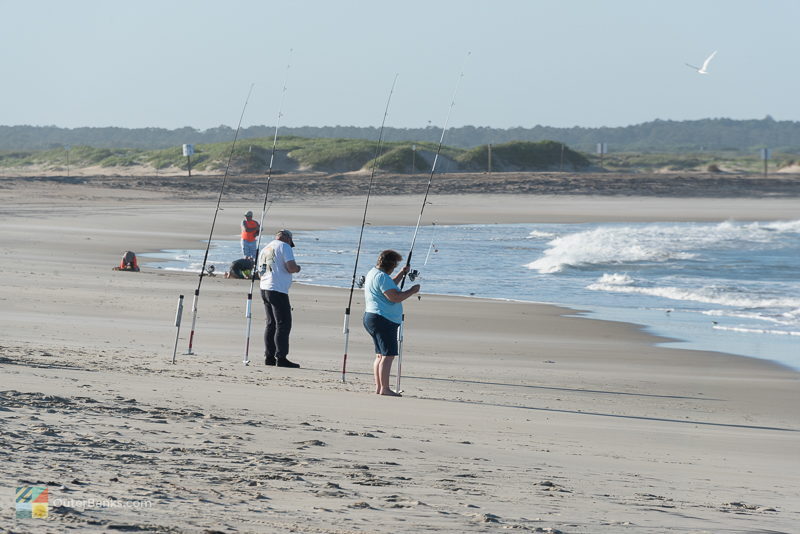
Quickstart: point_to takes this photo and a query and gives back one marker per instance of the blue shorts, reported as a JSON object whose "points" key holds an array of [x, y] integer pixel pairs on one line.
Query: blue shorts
{"points": [[249, 249], [383, 332]]}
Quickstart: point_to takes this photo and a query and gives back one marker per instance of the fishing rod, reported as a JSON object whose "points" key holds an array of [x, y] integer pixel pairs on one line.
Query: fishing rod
{"points": [[214, 221], [249, 305], [430, 181], [346, 329], [407, 269]]}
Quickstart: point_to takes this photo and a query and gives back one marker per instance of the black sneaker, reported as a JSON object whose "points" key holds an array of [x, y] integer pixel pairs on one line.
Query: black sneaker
{"points": [[270, 360], [283, 362]]}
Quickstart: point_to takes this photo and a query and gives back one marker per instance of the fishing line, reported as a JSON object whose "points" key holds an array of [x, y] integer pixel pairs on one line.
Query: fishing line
{"points": [[249, 305], [214, 221], [430, 247], [346, 329], [430, 178], [407, 269]]}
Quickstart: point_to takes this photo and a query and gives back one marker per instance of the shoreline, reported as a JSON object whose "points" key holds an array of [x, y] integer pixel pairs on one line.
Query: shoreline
{"points": [[569, 311], [674, 334]]}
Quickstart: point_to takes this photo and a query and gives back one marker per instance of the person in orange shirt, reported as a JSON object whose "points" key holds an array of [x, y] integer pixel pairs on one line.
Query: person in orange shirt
{"points": [[128, 262], [250, 229]]}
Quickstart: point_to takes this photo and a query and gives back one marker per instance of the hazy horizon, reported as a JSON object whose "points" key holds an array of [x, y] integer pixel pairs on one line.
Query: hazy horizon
{"points": [[91, 63], [232, 127]]}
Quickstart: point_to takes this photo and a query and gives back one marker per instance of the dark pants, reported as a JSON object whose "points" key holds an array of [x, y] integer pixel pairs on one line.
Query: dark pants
{"points": [[279, 324]]}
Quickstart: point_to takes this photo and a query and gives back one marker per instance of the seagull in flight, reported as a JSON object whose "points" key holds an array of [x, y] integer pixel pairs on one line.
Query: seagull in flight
{"points": [[702, 70]]}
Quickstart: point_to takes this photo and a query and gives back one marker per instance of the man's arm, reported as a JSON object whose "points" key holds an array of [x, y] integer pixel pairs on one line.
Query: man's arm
{"points": [[292, 267], [255, 231]]}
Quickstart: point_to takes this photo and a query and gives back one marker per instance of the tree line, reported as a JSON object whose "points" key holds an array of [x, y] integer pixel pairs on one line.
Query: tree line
{"points": [[655, 136]]}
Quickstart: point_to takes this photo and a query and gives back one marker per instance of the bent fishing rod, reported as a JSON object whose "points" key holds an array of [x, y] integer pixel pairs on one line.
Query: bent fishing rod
{"points": [[214, 221], [249, 305], [407, 269], [346, 329]]}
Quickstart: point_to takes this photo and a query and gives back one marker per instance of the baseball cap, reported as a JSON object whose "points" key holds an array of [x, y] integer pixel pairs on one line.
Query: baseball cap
{"points": [[286, 233]]}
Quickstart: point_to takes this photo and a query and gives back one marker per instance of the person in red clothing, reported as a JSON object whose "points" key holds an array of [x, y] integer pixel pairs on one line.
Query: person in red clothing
{"points": [[250, 229], [128, 262]]}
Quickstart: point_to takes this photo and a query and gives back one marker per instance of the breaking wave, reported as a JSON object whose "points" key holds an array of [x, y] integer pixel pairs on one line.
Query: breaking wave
{"points": [[653, 243]]}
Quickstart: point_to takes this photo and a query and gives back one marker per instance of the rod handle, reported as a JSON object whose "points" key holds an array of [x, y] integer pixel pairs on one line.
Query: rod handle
{"points": [[179, 312], [346, 328]]}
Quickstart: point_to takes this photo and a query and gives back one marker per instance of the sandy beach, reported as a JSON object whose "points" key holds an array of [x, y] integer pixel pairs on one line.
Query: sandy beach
{"points": [[515, 415]]}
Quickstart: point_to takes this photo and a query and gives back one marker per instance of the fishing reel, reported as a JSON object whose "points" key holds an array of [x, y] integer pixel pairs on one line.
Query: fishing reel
{"points": [[210, 270], [413, 274], [361, 281]]}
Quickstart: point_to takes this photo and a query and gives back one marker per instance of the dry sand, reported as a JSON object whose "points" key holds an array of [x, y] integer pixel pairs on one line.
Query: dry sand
{"points": [[515, 415]]}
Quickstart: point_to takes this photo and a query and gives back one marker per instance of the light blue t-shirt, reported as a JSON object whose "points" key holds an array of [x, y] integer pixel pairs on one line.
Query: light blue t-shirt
{"points": [[375, 283]]}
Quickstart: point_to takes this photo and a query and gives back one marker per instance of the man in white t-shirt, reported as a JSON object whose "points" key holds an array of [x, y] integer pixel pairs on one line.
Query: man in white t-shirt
{"points": [[276, 265]]}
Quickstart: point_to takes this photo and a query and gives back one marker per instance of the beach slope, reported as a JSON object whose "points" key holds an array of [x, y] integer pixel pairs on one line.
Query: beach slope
{"points": [[514, 416]]}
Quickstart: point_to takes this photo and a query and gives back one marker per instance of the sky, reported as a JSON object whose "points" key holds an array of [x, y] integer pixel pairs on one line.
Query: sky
{"points": [[501, 63]]}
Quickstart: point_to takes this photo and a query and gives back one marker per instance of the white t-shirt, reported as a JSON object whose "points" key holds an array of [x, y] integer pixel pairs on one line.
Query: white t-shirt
{"points": [[272, 266]]}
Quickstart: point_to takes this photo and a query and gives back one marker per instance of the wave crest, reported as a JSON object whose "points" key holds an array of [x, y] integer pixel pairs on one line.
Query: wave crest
{"points": [[655, 243]]}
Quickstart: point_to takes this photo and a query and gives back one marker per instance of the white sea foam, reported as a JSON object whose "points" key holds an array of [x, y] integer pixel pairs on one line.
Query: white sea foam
{"points": [[719, 295], [658, 243], [609, 246], [756, 330], [538, 234], [783, 226], [616, 279], [786, 319]]}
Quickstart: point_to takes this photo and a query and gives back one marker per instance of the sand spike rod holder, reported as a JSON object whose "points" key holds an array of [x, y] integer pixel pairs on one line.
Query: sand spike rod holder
{"points": [[178, 315]]}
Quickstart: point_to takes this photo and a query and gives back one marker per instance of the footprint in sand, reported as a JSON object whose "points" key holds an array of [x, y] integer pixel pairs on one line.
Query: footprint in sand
{"points": [[310, 443]]}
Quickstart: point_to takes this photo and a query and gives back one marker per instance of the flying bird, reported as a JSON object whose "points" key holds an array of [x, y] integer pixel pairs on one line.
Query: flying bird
{"points": [[702, 70]]}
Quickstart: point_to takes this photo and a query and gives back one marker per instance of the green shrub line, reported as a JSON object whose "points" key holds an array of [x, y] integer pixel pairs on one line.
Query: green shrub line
{"points": [[346, 155]]}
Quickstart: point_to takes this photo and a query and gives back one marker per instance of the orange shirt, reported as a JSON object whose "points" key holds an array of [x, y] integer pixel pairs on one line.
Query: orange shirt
{"points": [[249, 230]]}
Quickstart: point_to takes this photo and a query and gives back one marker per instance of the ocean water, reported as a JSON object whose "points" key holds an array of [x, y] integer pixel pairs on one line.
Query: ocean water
{"points": [[730, 287]]}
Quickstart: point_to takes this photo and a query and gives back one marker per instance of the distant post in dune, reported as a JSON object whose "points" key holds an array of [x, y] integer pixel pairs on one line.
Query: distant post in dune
{"points": [[765, 154], [413, 159], [66, 149], [561, 164], [602, 148], [490, 158], [188, 150]]}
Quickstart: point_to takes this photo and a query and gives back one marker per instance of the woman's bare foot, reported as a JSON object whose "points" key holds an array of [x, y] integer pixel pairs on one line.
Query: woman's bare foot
{"points": [[390, 393]]}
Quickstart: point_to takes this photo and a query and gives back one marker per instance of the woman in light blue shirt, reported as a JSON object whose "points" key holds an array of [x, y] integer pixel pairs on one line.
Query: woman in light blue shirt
{"points": [[384, 313]]}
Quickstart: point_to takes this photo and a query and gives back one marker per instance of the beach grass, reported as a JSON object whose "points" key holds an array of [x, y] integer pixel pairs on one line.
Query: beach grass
{"points": [[347, 155]]}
